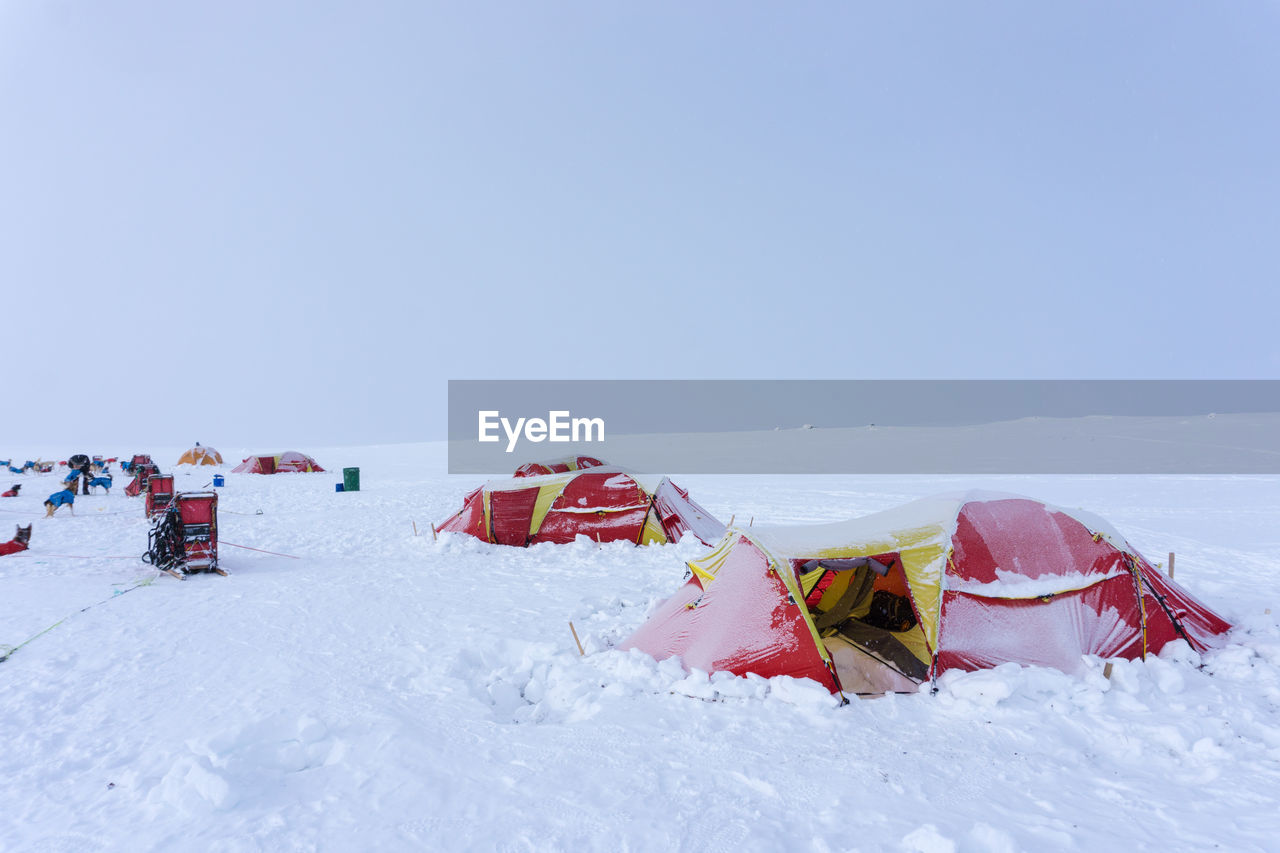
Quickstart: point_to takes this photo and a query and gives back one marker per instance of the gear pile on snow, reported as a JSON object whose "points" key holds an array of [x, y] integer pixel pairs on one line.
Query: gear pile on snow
{"points": [[184, 537]]}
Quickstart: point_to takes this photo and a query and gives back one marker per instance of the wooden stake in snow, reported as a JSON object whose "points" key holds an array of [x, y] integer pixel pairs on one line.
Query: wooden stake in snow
{"points": [[752, 521], [433, 532], [581, 653], [731, 518], [1106, 671], [415, 526], [1170, 565]]}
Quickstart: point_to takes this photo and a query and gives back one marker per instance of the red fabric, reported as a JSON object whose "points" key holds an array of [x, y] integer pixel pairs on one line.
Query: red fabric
{"points": [[538, 469], [743, 623], [200, 509], [470, 519], [979, 632], [256, 465], [1034, 549], [11, 493], [510, 513], [159, 493], [680, 515], [608, 507], [1198, 621], [13, 546], [1024, 538], [134, 488], [297, 462], [290, 461]]}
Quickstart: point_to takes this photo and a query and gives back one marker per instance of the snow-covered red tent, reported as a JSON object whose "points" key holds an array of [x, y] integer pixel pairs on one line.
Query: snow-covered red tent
{"points": [[888, 601], [558, 466], [278, 464], [200, 455], [603, 503]]}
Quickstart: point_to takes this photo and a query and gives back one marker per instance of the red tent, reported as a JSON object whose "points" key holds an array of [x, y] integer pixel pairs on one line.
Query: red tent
{"points": [[605, 504], [558, 466], [289, 461], [888, 601]]}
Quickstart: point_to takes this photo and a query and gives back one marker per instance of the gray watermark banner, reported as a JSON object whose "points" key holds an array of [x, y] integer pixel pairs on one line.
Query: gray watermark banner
{"points": [[870, 426]]}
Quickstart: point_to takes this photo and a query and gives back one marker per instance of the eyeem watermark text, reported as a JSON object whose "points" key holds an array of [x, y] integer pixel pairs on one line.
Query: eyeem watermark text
{"points": [[558, 426]]}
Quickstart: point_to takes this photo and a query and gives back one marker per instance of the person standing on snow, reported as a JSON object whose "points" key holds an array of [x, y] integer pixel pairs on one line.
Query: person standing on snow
{"points": [[79, 465]]}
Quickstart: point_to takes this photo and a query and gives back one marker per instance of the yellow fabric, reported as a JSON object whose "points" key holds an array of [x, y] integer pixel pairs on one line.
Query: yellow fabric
{"points": [[707, 567], [915, 642], [838, 588], [487, 518], [809, 581], [1142, 603], [653, 532], [923, 550], [201, 456], [546, 497]]}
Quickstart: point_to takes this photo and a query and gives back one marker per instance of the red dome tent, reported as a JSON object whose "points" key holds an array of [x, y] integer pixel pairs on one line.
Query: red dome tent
{"points": [[289, 461], [888, 601], [558, 466], [603, 503]]}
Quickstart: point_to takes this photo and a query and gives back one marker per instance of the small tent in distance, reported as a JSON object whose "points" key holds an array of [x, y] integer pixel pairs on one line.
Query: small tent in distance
{"points": [[886, 602], [288, 462], [603, 503], [200, 455], [557, 466]]}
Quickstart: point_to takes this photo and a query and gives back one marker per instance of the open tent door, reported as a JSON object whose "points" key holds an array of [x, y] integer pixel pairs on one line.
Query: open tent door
{"points": [[861, 607]]}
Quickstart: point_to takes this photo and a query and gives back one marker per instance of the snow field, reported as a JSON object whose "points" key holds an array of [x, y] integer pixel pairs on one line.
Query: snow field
{"points": [[385, 691]]}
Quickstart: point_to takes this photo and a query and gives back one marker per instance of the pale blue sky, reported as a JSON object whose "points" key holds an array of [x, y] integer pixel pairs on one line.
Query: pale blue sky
{"points": [[323, 211]]}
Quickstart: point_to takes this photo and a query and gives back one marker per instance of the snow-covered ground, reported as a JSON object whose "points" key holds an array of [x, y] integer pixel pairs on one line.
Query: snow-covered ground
{"points": [[386, 692]]}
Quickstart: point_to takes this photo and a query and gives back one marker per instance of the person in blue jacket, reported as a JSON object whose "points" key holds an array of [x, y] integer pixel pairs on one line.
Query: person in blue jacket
{"points": [[57, 499]]}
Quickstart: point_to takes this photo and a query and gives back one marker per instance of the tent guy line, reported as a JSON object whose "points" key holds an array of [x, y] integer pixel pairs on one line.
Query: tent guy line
{"points": [[7, 652]]}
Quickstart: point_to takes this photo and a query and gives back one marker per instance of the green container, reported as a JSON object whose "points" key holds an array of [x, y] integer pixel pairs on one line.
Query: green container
{"points": [[350, 479]]}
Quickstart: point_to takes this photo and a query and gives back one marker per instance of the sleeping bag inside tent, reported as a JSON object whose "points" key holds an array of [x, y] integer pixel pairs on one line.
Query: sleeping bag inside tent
{"points": [[886, 602], [602, 503]]}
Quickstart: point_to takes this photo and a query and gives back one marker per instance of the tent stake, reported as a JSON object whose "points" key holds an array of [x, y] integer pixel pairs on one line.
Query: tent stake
{"points": [[752, 521], [1106, 671], [1170, 565], [433, 532], [415, 526], [731, 518], [581, 653]]}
